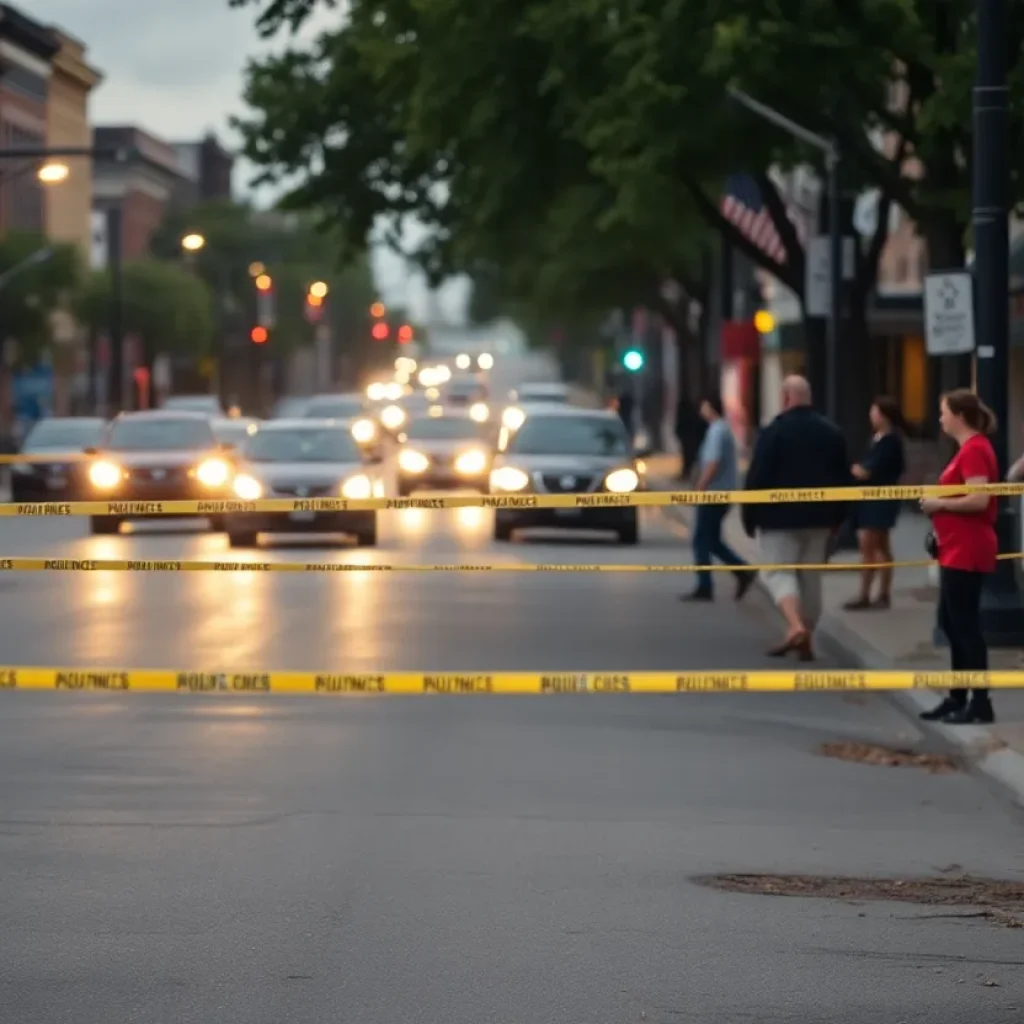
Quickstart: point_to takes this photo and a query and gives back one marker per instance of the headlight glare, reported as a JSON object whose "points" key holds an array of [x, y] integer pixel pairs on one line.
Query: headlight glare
{"points": [[213, 472], [412, 462], [359, 486], [392, 417], [508, 478], [471, 463], [247, 487], [622, 481], [364, 431], [479, 412], [513, 418], [105, 475]]}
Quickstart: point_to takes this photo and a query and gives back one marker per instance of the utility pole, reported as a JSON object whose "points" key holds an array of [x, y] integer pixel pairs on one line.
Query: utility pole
{"points": [[1002, 606], [115, 375]]}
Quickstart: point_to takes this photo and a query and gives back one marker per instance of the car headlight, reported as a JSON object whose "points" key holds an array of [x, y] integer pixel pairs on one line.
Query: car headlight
{"points": [[412, 462], [621, 481], [364, 431], [359, 486], [248, 488], [508, 478], [392, 417], [471, 463], [105, 475], [479, 412], [513, 418], [213, 472]]}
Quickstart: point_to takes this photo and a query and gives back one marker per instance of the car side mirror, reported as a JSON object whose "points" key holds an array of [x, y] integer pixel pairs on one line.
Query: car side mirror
{"points": [[90, 451], [227, 446], [643, 453]]}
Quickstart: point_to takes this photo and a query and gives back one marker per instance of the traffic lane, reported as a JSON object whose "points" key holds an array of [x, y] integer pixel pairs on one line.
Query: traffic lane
{"points": [[470, 859], [378, 621]]}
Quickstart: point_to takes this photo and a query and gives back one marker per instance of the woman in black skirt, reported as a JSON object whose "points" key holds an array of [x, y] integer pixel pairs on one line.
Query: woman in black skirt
{"points": [[883, 466]]}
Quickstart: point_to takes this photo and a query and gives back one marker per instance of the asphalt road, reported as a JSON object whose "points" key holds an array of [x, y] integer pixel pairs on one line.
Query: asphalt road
{"points": [[466, 860]]}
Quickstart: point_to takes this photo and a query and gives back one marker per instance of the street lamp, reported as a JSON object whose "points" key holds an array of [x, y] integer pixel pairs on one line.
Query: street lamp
{"points": [[193, 242], [53, 173]]}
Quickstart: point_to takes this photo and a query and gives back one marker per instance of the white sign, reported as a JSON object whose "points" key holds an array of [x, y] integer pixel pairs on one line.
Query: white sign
{"points": [[818, 271], [949, 313]]}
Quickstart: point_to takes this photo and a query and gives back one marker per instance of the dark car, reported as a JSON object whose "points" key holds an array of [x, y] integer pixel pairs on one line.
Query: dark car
{"points": [[304, 459], [449, 450], [567, 451], [157, 456], [52, 439]]}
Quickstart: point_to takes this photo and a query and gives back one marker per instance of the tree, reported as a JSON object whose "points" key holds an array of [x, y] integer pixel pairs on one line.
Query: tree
{"points": [[167, 307]]}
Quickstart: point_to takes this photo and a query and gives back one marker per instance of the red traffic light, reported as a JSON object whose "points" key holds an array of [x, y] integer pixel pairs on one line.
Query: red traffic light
{"points": [[314, 300], [380, 332], [405, 334], [258, 335]]}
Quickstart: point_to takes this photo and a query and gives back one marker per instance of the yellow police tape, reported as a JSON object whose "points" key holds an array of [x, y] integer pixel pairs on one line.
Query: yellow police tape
{"points": [[636, 499], [327, 683]]}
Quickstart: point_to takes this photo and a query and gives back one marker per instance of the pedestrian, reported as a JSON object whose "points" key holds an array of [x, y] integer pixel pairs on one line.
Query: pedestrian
{"points": [[799, 449], [690, 429], [717, 470], [882, 466], [964, 541]]}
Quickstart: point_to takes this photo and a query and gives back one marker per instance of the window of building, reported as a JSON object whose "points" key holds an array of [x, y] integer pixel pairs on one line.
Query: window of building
{"points": [[25, 83]]}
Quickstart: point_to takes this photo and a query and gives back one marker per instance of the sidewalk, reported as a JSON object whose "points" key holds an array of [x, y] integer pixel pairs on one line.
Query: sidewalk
{"points": [[902, 638]]}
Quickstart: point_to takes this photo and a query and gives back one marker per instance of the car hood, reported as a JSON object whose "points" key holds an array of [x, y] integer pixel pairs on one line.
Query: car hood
{"points": [[309, 474], [566, 463], [159, 460], [446, 447]]}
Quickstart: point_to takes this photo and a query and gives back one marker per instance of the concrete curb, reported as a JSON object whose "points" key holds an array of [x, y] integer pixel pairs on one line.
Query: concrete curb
{"points": [[980, 748]]}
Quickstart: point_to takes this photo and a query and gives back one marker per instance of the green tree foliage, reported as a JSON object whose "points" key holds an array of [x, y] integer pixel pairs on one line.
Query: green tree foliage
{"points": [[31, 289], [169, 308]]}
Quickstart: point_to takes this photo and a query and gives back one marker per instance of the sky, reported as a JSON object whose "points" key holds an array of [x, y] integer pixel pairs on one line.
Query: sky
{"points": [[176, 71]]}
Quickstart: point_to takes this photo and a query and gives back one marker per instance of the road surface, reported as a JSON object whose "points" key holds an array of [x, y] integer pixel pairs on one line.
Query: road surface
{"points": [[465, 860]]}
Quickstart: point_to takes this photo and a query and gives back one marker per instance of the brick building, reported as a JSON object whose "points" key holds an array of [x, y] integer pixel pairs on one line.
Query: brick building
{"points": [[142, 180], [26, 51], [208, 167]]}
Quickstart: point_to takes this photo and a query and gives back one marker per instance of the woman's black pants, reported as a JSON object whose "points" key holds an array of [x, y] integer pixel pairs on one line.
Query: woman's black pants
{"points": [[960, 620]]}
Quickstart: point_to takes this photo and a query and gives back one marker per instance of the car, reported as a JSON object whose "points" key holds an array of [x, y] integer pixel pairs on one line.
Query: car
{"points": [[206, 404], [233, 431], [395, 415], [565, 450], [303, 458], [156, 456], [444, 449], [290, 407], [351, 407], [52, 437], [530, 396], [466, 392]]}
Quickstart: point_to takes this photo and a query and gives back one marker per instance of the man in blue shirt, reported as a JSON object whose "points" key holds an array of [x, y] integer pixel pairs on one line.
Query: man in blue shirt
{"points": [[717, 470]]}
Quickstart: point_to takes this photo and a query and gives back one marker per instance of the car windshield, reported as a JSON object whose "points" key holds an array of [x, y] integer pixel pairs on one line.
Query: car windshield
{"points": [[334, 408], [160, 435], [303, 445], [287, 408], [193, 403], [464, 388], [569, 435], [233, 431], [445, 428], [70, 434], [542, 394]]}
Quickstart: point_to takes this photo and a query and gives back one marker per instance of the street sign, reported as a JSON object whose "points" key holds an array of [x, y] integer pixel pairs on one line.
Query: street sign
{"points": [[818, 280], [949, 313]]}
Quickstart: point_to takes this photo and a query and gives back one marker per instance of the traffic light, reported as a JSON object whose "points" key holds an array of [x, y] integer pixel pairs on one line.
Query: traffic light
{"points": [[259, 335], [265, 312], [633, 360], [377, 310], [264, 283], [764, 322], [404, 334], [380, 331]]}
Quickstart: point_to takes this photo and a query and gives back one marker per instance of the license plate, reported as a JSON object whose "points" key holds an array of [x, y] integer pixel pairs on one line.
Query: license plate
{"points": [[568, 513], [302, 517], [57, 483]]}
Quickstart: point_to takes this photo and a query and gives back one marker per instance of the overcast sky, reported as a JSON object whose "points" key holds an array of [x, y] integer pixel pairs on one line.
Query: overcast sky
{"points": [[176, 70]]}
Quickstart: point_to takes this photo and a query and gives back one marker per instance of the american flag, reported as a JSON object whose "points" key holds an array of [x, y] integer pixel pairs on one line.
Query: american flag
{"points": [[743, 207]]}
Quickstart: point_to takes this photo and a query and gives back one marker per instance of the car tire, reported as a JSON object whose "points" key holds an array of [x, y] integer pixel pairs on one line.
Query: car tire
{"points": [[502, 530], [104, 525], [404, 489], [242, 540], [630, 533], [367, 538], [217, 524]]}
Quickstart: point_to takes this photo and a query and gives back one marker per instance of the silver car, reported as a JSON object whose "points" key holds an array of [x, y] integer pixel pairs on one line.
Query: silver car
{"points": [[304, 459], [564, 450]]}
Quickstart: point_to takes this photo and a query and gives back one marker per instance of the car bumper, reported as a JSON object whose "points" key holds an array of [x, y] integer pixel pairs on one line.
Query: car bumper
{"points": [[299, 522], [567, 518], [157, 493], [37, 488]]}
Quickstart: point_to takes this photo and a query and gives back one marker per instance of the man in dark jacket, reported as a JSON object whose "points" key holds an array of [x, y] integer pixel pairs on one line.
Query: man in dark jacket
{"points": [[799, 449]]}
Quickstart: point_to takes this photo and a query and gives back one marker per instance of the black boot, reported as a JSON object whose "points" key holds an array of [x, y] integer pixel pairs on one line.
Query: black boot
{"points": [[977, 712], [949, 706]]}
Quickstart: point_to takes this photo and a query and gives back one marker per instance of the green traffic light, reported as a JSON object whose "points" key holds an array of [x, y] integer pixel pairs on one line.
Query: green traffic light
{"points": [[633, 360]]}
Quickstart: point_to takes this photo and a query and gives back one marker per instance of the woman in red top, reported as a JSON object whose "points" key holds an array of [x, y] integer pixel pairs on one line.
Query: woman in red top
{"points": [[964, 529]]}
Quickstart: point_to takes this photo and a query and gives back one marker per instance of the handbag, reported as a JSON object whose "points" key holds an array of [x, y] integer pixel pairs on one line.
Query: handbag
{"points": [[931, 544]]}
